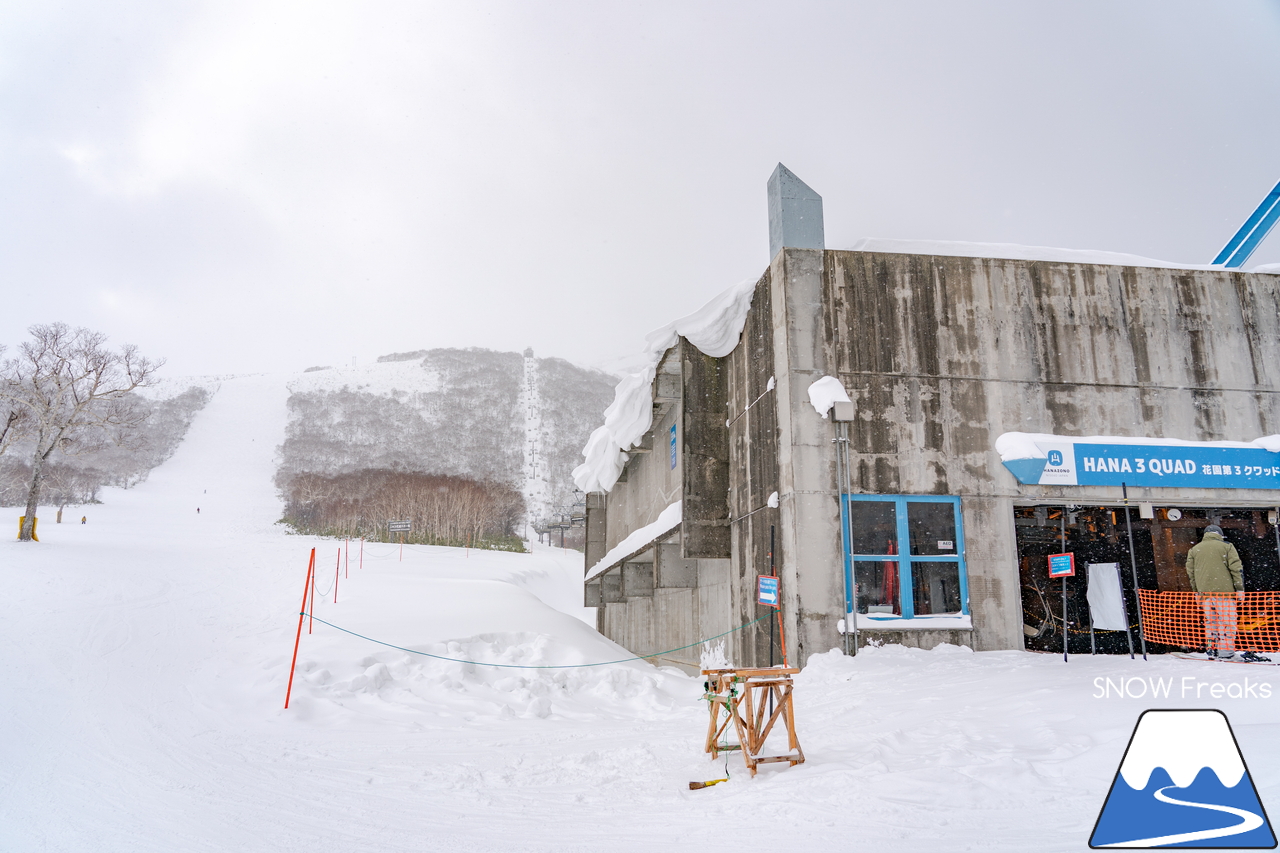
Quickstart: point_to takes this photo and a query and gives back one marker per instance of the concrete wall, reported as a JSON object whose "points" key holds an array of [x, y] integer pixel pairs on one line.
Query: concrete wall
{"points": [[753, 440], [676, 592], [940, 356], [664, 602], [649, 484]]}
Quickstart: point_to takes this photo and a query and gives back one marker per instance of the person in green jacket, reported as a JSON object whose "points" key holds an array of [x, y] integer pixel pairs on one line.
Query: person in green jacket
{"points": [[1213, 566]]}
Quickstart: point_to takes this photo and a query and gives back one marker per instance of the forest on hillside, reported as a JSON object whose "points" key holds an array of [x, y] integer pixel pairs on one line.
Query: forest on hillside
{"points": [[438, 436]]}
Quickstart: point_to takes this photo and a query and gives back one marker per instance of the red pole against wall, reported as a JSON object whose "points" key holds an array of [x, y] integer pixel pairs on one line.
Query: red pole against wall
{"points": [[337, 569], [782, 635], [311, 567]]}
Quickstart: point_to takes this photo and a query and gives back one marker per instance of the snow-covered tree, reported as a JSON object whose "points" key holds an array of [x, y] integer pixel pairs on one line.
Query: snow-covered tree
{"points": [[70, 393]]}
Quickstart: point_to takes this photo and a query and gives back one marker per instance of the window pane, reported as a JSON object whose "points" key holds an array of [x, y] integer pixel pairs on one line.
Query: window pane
{"points": [[874, 525], [936, 587], [933, 528], [877, 582]]}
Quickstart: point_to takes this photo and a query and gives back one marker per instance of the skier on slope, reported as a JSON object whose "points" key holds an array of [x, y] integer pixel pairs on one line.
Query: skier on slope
{"points": [[1214, 567]]}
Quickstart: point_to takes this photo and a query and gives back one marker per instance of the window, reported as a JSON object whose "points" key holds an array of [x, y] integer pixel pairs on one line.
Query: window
{"points": [[929, 579]]}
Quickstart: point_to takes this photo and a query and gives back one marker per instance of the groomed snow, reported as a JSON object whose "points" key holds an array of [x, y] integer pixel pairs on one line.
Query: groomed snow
{"points": [[714, 329], [145, 654]]}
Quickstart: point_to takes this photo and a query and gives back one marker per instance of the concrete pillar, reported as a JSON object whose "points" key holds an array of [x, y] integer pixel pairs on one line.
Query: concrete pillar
{"points": [[809, 511], [591, 595], [611, 587], [596, 546]]}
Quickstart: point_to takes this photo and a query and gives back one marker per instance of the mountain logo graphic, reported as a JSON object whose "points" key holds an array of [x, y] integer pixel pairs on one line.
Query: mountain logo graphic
{"points": [[1183, 783]]}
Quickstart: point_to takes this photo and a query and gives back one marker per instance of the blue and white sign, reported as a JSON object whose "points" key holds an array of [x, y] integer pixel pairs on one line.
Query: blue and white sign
{"points": [[1062, 565], [673, 447], [767, 590], [1204, 465]]}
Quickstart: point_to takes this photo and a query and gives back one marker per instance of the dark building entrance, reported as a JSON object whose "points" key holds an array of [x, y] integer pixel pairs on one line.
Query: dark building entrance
{"points": [[1098, 534]]}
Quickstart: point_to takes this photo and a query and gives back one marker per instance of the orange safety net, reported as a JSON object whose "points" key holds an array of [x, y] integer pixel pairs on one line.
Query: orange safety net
{"points": [[1248, 621]]}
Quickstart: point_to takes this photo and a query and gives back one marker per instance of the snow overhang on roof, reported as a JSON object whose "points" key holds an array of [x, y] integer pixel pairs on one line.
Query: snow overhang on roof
{"points": [[714, 329], [639, 540]]}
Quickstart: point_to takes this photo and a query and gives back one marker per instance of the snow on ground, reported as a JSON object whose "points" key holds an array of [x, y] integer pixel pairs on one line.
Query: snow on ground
{"points": [[145, 654]]}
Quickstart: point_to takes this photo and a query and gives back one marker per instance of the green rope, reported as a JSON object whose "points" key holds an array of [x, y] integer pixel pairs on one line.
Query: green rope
{"points": [[534, 666]]}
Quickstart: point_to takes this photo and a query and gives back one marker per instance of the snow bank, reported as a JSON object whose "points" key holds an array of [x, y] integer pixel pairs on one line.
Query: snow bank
{"points": [[667, 520], [825, 393], [714, 329], [472, 690], [1022, 445]]}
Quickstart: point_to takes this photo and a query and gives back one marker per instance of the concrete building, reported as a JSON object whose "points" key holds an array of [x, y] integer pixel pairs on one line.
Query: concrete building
{"points": [[940, 355]]}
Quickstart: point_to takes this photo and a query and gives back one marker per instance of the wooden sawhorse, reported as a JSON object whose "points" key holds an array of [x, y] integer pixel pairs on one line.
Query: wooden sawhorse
{"points": [[740, 696]]}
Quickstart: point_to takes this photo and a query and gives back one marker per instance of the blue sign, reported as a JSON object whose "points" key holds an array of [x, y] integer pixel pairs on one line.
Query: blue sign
{"points": [[673, 447], [1179, 466], [767, 590], [1062, 565]]}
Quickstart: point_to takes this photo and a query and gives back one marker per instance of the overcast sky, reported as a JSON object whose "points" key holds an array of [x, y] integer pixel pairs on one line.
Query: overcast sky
{"points": [[255, 186]]}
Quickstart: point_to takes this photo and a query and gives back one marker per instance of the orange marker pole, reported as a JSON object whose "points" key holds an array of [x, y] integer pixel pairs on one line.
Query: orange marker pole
{"points": [[311, 620], [782, 635], [311, 566], [337, 567]]}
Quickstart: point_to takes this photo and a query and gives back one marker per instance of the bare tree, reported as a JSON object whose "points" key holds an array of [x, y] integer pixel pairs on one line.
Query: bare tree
{"points": [[14, 421], [70, 393]]}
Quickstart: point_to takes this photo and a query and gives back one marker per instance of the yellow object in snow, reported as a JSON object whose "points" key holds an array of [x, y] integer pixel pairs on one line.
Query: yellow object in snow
{"points": [[34, 522], [694, 786]]}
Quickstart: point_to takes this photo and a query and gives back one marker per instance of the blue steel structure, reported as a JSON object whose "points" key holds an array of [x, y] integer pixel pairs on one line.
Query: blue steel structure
{"points": [[1253, 232]]}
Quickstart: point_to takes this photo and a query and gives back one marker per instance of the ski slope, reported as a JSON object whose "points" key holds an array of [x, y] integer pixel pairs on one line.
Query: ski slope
{"points": [[144, 657]]}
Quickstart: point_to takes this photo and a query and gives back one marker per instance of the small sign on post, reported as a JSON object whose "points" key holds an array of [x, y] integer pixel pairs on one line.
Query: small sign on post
{"points": [[399, 526], [1062, 565], [767, 590]]}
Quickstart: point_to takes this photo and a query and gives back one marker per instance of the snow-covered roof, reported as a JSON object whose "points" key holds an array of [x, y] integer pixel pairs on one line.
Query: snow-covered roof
{"points": [[639, 539], [714, 329], [1013, 251]]}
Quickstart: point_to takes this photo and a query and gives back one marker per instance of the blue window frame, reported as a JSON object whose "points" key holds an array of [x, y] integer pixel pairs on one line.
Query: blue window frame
{"points": [[905, 553]]}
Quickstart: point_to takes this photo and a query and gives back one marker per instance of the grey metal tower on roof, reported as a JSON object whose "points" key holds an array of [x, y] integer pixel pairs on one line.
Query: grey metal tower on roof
{"points": [[795, 213]]}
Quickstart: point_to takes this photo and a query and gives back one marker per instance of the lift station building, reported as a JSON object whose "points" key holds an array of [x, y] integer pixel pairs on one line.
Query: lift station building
{"points": [[999, 409]]}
